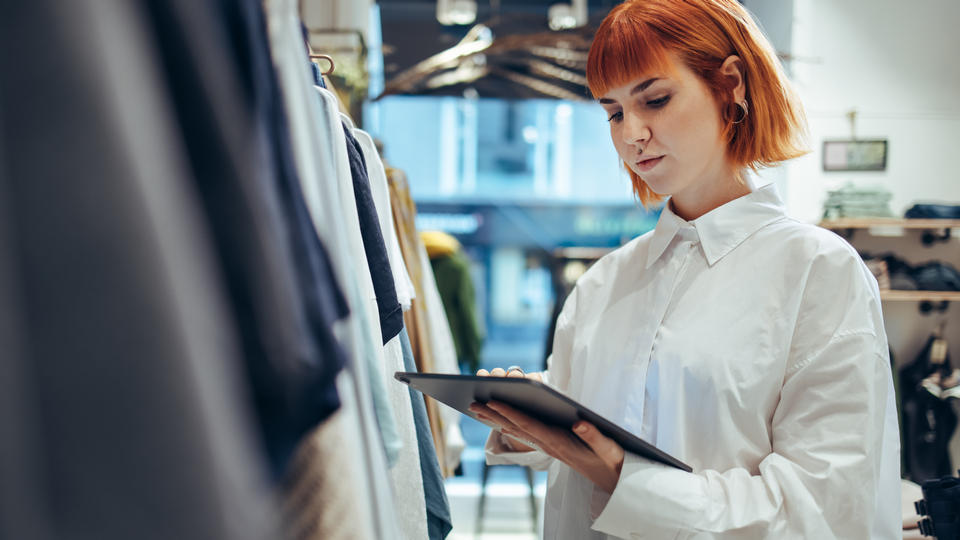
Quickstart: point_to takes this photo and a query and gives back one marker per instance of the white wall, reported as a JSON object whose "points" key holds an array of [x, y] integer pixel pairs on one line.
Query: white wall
{"points": [[340, 14], [347, 16], [896, 63], [776, 20]]}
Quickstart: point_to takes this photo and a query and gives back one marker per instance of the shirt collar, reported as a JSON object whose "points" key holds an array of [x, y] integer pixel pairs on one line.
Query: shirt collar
{"points": [[721, 229]]}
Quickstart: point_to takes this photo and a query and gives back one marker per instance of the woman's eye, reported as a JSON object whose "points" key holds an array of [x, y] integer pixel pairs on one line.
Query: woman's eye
{"points": [[615, 117], [657, 103]]}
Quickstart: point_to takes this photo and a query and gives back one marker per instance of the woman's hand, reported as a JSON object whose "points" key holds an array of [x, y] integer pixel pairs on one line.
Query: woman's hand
{"points": [[584, 448], [494, 418]]}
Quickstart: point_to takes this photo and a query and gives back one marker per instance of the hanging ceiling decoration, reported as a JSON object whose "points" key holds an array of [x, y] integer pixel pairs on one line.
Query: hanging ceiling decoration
{"points": [[506, 57]]}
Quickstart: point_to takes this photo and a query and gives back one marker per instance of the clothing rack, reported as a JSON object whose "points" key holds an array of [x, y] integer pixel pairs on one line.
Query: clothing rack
{"points": [[260, 286]]}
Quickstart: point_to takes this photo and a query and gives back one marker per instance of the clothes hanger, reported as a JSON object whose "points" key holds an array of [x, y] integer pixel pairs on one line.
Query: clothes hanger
{"points": [[314, 56], [317, 56]]}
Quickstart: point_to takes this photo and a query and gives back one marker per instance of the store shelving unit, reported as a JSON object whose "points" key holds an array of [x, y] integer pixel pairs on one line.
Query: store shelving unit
{"points": [[934, 230], [920, 296], [870, 223]]}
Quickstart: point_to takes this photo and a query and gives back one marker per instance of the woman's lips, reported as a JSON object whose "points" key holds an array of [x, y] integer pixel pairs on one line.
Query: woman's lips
{"points": [[648, 164]]}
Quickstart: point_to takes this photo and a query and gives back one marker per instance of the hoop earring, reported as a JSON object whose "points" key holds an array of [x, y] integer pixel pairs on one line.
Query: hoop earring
{"points": [[743, 107]]}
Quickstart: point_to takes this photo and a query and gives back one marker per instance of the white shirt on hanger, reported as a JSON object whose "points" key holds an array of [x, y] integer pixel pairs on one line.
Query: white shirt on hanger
{"points": [[405, 475], [441, 340], [315, 155], [750, 346]]}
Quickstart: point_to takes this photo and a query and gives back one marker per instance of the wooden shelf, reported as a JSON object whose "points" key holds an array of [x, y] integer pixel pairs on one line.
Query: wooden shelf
{"points": [[919, 296], [869, 223]]}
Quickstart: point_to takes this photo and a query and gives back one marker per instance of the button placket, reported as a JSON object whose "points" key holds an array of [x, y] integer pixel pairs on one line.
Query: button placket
{"points": [[675, 269]]}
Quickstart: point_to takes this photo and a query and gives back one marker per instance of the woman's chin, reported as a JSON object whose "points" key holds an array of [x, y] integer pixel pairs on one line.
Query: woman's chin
{"points": [[660, 188]]}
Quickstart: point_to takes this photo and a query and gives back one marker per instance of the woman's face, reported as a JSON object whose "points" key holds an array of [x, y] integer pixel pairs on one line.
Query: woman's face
{"points": [[666, 128]]}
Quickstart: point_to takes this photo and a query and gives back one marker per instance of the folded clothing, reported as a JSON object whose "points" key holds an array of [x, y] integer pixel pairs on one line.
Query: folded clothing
{"points": [[902, 276], [899, 272], [851, 201], [933, 211], [878, 267], [936, 276]]}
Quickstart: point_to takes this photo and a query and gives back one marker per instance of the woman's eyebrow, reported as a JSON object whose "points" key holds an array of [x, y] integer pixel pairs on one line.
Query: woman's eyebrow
{"points": [[636, 89]]}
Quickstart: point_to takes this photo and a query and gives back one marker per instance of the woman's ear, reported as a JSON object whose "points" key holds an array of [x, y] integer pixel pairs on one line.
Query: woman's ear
{"points": [[732, 67]]}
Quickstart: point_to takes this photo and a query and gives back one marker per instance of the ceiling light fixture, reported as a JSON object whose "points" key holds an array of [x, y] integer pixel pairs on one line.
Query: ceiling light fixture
{"points": [[567, 16], [456, 12]]}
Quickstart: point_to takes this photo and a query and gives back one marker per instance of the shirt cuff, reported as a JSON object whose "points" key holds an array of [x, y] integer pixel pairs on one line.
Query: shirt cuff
{"points": [[498, 453], [651, 500]]}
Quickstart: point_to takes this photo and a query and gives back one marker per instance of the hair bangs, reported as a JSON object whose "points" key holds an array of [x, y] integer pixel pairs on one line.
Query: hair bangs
{"points": [[623, 50]]}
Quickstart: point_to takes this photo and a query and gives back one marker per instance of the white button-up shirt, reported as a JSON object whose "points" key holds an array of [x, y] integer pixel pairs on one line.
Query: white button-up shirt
{"points": [[750, 346]]}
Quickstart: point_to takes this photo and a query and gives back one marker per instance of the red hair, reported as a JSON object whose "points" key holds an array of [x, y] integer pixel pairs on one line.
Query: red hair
{"points": [[636, 38]]}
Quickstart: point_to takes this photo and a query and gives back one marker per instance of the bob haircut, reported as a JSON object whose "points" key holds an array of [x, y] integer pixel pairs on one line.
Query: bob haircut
{"points": [[636, 38]]}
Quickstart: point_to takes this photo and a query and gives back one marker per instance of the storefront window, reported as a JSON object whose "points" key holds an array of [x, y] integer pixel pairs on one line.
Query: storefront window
{"points": [[500, 150]]}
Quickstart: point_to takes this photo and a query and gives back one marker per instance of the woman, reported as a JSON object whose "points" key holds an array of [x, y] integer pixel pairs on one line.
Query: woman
{"points": [[740, 341]]}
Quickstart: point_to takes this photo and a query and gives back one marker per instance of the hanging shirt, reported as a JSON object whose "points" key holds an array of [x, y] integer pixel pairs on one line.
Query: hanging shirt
{"points": [[439, 523], [277, 273], [378, 262], [444, 354], [381, 198], [404, 474], [749, 346], [321, 161], [928, 420]]}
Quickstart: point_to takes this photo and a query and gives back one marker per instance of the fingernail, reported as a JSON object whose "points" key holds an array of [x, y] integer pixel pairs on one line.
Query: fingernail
{"points": [[580, 428]]}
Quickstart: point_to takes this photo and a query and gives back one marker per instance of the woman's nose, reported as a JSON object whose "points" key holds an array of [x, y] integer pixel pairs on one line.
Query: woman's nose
{"points": [[636, 129]]}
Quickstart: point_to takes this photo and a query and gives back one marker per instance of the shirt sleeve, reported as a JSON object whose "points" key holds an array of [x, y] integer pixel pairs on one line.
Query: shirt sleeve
{"points": [[556, 375], [819, 480]]}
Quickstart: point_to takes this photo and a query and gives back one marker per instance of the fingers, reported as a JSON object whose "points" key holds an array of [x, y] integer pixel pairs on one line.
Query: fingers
{"points": [[530, 428], [500, 372], [589, 434], [517, 442], [583, 448], [485, 413], [508, 412], [604, 447], [515, 423]]}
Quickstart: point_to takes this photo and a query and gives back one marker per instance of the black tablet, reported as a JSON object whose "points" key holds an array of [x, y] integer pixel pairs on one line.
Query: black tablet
{"points": [[533, 398]]}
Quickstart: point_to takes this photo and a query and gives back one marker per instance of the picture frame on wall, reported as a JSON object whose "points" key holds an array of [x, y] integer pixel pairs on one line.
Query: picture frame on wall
{"points": [[855, 155]]}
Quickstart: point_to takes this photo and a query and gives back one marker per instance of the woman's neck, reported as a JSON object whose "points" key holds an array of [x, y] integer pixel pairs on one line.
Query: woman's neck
{"points": [[705, 198]]}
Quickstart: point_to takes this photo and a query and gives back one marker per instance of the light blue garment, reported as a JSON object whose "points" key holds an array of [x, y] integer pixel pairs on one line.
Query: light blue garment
{"points": [[439, 523], [392, 443]]}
